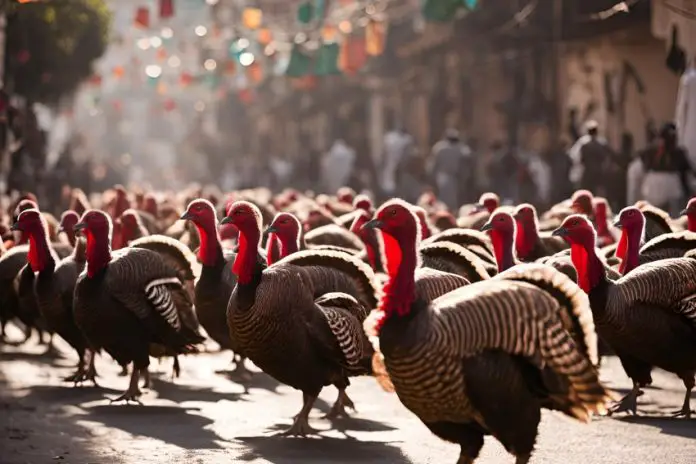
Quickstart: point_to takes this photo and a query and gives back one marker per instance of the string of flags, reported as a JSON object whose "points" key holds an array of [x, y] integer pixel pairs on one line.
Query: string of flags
{"points": [[318, 41]]}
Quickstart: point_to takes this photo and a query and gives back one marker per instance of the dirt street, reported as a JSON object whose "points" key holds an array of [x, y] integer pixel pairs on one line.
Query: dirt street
{"points": [[204, 417]]}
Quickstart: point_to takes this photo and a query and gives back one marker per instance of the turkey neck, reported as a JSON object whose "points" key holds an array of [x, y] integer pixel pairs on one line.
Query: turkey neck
{"points": [[98, 252], [245, 262], [400, 290], [525, 239], [503, 248], [210, 251], [80, 251], [289, 244], [591, 274], [632, 253], [72, 240], [601, 224], [39, 256]]}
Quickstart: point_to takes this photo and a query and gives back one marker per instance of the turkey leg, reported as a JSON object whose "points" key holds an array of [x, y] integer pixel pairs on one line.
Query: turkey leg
{"points": [[79, 374], [240, 369], [339, 407], [91, 373], [628, 403], [133, 391], [686, 411], [300, 426]]}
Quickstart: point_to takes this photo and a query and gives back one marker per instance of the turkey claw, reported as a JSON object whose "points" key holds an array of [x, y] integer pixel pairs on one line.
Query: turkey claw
{"points": [[685, 413], [339, 408], [129, 396], [628, 403], [299, 428]]}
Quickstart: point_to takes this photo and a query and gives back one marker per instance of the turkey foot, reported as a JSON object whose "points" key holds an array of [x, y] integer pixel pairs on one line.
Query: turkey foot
{"points": [[686, 410], [628, 403], [78, 376], [91, 373], [146, 378], [339, 407], [300, 426], [240, 370], [133, 392], [523, 459]]}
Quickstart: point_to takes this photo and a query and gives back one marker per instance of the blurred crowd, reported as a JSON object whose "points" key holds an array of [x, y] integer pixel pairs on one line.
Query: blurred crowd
{"points": [[456, 168]]}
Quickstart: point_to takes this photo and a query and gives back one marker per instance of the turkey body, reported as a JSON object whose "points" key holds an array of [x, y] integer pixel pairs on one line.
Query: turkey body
{"points": [[54, 290], [212, 293], [10, 264], [276, 322], [479, 391], [136, 300]]}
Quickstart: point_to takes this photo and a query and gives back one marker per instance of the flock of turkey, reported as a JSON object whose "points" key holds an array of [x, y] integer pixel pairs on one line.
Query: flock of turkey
{"points": [[477, 322]]}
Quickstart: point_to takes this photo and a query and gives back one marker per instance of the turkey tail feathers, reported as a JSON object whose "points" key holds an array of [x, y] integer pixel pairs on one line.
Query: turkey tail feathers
{"points": [[157, 293], [471, 264], [576, 314], [174, 252], [360, 272]]}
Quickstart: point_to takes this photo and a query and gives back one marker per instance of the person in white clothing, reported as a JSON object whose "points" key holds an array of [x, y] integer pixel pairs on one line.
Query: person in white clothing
{"points": [[686, 113]]}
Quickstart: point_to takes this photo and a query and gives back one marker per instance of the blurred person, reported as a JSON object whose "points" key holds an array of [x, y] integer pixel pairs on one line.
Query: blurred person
{"points": [[337, 166], [506, 165], [397, 145], [591, 157], [451, 169], [560, 165], [666, 166]]}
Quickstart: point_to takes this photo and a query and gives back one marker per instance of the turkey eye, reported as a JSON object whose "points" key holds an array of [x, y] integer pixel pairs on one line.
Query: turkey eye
{"points": [[393, 212], [500, 219]]}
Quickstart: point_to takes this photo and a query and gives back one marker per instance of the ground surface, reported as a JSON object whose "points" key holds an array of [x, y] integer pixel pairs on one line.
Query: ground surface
{"points": [[205, 417]]}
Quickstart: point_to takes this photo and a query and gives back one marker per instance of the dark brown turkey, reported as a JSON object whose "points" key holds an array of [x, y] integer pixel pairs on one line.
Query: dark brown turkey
{"points": [[483, 358], [648, 316], [54, 285], [129, 299], [300, 319], [214, 287]]}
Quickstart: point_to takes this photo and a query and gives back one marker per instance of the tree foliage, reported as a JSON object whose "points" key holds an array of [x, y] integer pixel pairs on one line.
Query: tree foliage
{"points": [[52, 44]]}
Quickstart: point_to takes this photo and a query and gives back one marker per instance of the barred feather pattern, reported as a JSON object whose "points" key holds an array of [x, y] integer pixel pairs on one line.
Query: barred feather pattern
{"points": [[664, 284], [445, 256], [337, 263], [463, 237], [335, 235], [656, 221], [574, 304], [515, 317], [344, 315], [157, 292], [665, 246]]}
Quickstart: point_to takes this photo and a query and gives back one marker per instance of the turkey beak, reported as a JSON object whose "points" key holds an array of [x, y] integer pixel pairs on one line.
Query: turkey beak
{"points": [[16, 227], [617, 224], [186, 216], [270, 230], [226, 220], [373, 224], [79, 227], [560, 232], [486, 227], [684, 212], [61, 229]]}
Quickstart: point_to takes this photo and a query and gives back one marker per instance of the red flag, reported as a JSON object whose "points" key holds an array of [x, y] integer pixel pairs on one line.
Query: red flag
{"points": [[142, 17], [166, 8]]}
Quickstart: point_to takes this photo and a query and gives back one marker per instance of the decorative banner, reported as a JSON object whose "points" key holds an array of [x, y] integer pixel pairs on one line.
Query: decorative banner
{"points": [[375, 35], [327, 60], [185, 79], [230, 67], [142, 17], [299, 64], [353, 55], [161, 54], [329, 33], [264, 36], [166, 9], [252, 18], [255, 72]]}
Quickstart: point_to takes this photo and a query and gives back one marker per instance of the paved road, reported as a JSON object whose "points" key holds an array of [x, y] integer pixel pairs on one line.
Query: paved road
{"points": [[205, 417]]}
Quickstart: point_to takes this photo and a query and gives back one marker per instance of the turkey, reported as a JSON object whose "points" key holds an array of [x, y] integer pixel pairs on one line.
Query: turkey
{"points": [[501, 226], [132, 226], [475, 241], [482, 358], [285, 231], [67, 223], [299, 320], [11, 262], [606, 234], [648, 316], [129, 299], [631, 221], [657, 221], [54, 284], [530, 244], [690, 214], [214, 287]]}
